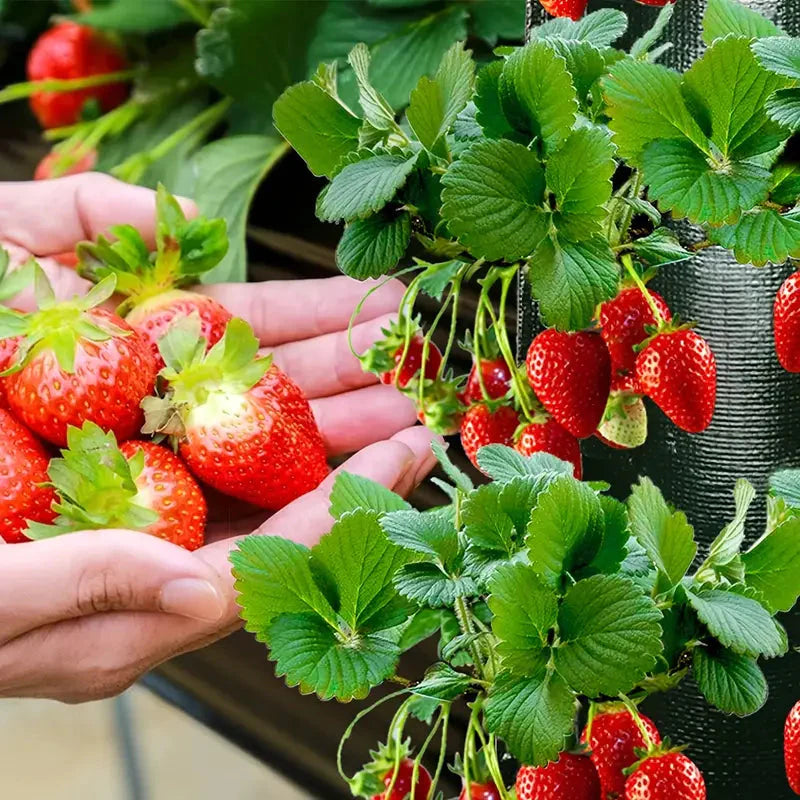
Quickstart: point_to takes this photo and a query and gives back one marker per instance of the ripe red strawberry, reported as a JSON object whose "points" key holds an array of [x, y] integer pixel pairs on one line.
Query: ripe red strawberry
{"points": [[138, 485], [76, 362], [572, 777], [496, 380], [480, 791], [409, 368], [482, 426], [615, 734], [403, 788], [786, 319], [23, 467], [242, 426], [68, 51], [574, 9], [622, 325], [8, 348], [548, 436], [666, 776], [57, 164], [571, 375], [678, 371], [791, 748], [154, 283]]}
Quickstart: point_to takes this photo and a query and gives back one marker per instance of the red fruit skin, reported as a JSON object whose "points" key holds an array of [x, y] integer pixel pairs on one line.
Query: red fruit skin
{"points": [[622, 325], [671, 776], [413, 363], [496, 379], [574, 9], [7, 349], [109, 382], [170, 490], [480, 791], [481, 426], [154, 317], [678, 372], [571, 375], [791, 748], [23, 465], [572, 777], [44, 169], [402, 786], [550, 437], [262, 447], [786, 319], [614, 737], [68, 51]]}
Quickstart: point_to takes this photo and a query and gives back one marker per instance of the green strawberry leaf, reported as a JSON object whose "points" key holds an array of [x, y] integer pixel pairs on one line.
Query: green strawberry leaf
{"points": [[725, 548], [731, 682], [683, 180], [665, 535], [783, 107], [487, 523], [533, 716], [579, 176], [645, 103], [727, 88], [772, 566], [723, 17], [317, 126], [537, 94], [600, 28], [785, 483], [570, 279], [503, 464], [780, 55], [525, 610], [377, 112], [424, 624], [616, 533], [430, 534], [352, 492], [493, 200], [364, 187], [436, 102], [430, 585], [644, 44], [738, 622], [460, 479], [585, 64], [313, 656], [565, 530], [760, 236], [442, 683], [659, 248], [371, 247], [610, 635], [489, 112]]}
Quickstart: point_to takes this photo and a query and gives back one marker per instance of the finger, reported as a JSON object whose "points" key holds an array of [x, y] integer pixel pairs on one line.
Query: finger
{"points": [[325, 365], [284, 311], [353, 420], [50, 217], [98, 571]]}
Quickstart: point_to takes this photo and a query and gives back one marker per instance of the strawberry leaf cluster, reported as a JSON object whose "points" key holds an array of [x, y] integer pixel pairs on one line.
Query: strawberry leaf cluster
{"points": [[543, 591]]}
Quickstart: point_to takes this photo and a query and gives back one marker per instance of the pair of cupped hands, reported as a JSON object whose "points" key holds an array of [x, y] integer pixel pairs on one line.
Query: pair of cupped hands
{"points": [[83, 615]]}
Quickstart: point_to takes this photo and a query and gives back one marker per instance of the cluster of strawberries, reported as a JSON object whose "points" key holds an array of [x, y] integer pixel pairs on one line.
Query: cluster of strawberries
{"points": [[593, 383], [620, 757], [170, 366]]}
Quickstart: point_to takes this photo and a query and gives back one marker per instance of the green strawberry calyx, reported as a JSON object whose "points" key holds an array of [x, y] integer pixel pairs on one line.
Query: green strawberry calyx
{"points": [[58, 326], [193, 378], [185, 250], [96, 486], [653, 751]]}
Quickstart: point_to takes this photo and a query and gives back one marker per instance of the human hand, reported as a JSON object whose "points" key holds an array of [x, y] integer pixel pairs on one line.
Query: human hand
{"points": [[89, 655]]}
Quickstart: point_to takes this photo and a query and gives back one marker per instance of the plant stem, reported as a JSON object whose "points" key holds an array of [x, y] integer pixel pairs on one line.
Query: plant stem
{"points": [[200, 15], [422, 751], [627, 262], [627, 214], [442, 750], [465, 623], [634, 712], [18, 91]]}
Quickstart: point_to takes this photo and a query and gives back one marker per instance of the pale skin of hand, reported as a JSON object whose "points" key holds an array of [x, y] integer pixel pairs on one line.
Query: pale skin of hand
{"points": [[82, 616]]}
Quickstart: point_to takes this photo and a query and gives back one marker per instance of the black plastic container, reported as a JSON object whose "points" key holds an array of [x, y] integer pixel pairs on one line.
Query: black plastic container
{"points": [[756, 428]]}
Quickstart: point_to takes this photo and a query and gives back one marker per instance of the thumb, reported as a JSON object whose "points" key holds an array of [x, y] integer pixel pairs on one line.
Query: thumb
{"points": [[96, 571]]}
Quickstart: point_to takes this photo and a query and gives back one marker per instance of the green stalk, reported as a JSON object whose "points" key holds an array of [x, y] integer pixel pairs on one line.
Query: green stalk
{"points": [[422, 751], [442, 751], [200, 15], [454, 294], [507, 277], [627, 262], [627, 214], [19, 91], [634, 712], [426, 347], [464, 618]]}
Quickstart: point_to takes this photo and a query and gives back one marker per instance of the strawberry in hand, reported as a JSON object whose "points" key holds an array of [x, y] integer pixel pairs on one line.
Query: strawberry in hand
{"points": [[155, 284], [23, 473], [74, 362], [240, 423], [678, 371], [66, 52], [483, 425], [571, 375], [136, 485]]}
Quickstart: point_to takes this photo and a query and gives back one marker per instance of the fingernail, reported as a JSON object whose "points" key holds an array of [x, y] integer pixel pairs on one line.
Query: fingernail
{"points": [[193, 598]]}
